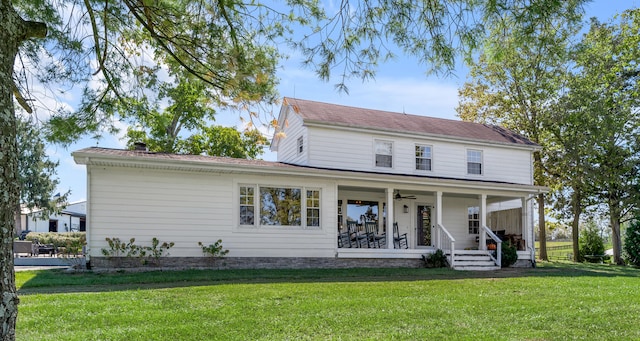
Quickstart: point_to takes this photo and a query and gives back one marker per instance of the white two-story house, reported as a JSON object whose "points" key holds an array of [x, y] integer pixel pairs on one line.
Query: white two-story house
{"points": [[352, 187]]}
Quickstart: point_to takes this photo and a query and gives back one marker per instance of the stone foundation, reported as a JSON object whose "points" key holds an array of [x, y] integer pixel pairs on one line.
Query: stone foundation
{"points": [[103, 263]]}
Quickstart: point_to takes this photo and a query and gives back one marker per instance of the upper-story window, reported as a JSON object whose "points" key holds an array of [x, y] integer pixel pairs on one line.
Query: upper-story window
{"points": [[384, 153], [423, 157], [300, 145], [474, 161]]}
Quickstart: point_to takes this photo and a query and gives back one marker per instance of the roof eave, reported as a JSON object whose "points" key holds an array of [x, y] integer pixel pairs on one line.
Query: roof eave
{"points": [[88, 158]]}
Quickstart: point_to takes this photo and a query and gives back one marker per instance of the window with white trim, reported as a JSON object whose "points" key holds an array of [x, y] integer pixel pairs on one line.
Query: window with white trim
{"points": [[313, 208], [247, 206], [474, 219], [384, 153], [279, 206], [423, 157], [300, 145], [474, 162]]}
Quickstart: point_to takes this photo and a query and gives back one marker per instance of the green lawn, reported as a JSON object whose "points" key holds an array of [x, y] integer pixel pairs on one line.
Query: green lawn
{"points": [[556, 301]]}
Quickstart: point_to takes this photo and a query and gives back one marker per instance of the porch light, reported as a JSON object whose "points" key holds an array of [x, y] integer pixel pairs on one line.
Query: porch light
{"points": [[405, 209]]}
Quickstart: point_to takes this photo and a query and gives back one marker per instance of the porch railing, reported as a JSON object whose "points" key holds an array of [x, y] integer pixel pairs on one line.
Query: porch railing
{"points": [[446, 243], [498, 255]]}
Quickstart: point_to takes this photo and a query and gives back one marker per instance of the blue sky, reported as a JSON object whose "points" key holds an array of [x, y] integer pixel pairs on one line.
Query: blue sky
{"points": [[400, 85]]}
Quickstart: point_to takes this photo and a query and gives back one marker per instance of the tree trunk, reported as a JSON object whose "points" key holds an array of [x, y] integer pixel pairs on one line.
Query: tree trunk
{"points": [[18, 220], [617, 243], [614, 216], [543, 229], [575, 224], [13, 32], [542, 233]]}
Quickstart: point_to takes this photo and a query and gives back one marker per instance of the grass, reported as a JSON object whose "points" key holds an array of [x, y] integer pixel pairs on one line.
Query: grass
{"points": [[556, 301]]}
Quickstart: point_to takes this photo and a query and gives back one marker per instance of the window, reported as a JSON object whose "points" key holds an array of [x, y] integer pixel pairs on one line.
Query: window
{"points": [[313, 208], [423, 157], [246, 205], [474, 219], [474, 162], [384, 154], [300, 145], [279, 206]]}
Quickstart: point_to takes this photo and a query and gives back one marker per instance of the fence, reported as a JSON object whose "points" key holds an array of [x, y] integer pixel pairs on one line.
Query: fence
{"points": [[561, 252]]}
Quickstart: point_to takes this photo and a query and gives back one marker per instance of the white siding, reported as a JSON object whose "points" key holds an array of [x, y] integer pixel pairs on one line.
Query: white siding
{"points": [[344, 149], [455, 220], [187, 208], [288, 147]]}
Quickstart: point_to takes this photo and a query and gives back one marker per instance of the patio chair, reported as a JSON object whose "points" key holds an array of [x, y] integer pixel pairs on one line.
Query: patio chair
{"points": [[356, 237], [24, 247], [373, 238], [344, 239], [399, 240]]}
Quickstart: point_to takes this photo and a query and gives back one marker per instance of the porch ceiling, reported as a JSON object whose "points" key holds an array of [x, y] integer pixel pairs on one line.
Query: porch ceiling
{"points": [[414, 192]]}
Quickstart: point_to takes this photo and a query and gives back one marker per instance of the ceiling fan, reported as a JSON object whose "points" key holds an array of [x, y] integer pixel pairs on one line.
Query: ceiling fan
{"points": [[398, 196]]}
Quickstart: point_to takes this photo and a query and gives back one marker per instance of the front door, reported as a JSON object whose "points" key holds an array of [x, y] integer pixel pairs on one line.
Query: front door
{"points": [[424, 225]]}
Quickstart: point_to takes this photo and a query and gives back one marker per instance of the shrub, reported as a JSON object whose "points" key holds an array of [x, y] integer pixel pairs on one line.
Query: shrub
{"points": [[214, 250], [631, 245], [437, 259], [156, 250], [151, 253], [119, 248], [509, 254], [590, 242]]}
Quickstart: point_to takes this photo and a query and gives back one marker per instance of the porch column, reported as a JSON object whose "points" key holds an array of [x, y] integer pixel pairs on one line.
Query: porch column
{"points": [[391, 207], [527, 228], [483, 222], [438, 219]]}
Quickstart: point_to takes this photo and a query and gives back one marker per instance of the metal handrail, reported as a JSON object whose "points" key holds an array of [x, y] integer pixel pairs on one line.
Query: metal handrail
{"points": [[498, 258], [450, 240]]}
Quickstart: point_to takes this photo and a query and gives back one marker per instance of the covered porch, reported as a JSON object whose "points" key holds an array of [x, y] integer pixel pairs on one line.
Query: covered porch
{"points": [[469, 224]]}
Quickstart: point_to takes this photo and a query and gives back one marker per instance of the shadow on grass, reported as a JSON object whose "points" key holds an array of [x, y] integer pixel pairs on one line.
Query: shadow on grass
{"points": [[59, 281]]}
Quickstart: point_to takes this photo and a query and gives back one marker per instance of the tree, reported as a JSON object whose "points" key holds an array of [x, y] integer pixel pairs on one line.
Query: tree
{"points": [[228, 45], [571, 160], [604, 91], [183, 125], [36, 173], [189, 107], [632, 242], [514, 81], [591, 242], [226, 141], [14, 31]]}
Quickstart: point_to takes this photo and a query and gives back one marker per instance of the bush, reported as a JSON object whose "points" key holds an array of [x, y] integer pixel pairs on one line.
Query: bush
{"points": [[590, 243], [214, 250], [437, 259], [631, 246], [147, 254], [509, 254], [63, 239]]}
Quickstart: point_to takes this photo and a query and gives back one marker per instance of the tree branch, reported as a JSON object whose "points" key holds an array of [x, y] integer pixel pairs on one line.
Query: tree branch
{"points": [[166, 48], [23, 103]]}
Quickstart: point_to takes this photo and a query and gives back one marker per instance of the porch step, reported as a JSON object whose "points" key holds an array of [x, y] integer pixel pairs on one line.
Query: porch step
{"points": [[474, 260]]}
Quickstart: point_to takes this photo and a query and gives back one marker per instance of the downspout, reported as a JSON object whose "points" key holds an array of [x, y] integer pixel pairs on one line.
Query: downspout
{"points": [[88, 223]]}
